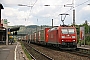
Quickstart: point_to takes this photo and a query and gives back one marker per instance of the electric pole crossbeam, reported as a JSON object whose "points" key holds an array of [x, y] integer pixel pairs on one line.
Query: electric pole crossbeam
{"points": [[72, 7]]}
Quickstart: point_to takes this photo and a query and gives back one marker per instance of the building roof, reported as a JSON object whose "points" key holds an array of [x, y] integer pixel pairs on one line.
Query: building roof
{"points": [[1, 6], [18, 34], [14, 29]]}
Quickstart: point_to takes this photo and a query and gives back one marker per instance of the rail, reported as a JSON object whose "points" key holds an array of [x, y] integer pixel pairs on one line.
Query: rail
{"points": [[47, 57]]}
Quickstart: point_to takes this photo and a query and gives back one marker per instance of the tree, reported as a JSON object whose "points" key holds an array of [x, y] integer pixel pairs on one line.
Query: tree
{"points": [[86, 26]]}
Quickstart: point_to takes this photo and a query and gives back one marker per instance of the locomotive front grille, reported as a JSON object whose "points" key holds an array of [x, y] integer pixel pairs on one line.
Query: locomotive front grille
{"points": [[68, 44]]}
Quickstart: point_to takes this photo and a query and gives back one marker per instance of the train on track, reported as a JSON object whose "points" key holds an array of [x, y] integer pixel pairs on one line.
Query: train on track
{"points": [[63, 37]]}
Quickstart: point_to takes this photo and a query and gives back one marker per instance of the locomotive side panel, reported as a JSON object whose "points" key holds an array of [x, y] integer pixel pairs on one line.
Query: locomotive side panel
{"points": [[53, 36]]}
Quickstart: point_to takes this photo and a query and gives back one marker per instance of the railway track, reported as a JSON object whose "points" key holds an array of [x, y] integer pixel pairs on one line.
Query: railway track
{"points": [[36, 54], [83, 52], [57, 54], [79, 53], [32, 57]]}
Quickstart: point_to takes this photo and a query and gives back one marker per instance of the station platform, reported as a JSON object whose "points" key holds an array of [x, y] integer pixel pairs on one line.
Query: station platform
{"points": [[84, 47], [12, 52]]}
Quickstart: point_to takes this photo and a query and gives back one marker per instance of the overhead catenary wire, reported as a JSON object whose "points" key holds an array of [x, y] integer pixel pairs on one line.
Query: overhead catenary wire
{"points": [[59, 5], [82, 3], [31, 8], [77, 6]]}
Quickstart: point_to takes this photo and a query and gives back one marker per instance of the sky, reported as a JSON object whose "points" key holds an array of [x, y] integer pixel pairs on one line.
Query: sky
{"points": [[34, 12]]}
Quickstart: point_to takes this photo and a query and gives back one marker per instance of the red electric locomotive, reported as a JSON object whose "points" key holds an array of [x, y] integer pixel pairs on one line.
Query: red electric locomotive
{"points": [[63, 37]]}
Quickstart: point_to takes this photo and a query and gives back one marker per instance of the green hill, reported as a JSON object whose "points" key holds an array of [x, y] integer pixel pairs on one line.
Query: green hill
{"points": [[28, 29]]}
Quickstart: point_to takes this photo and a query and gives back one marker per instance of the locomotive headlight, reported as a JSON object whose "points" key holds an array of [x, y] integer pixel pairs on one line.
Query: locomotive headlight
{"points": [[63, 36], [73, 36], [62, 40], [73, 40]]}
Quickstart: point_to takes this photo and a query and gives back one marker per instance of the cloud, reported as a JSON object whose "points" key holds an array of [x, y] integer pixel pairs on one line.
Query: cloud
{"points": [[86, 8], [14, 16], [24, 15]]}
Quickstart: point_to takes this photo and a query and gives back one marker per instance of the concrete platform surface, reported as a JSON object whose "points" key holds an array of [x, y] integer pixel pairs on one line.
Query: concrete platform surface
{"points": [[12, 52], [20, 55], [7, 52]]}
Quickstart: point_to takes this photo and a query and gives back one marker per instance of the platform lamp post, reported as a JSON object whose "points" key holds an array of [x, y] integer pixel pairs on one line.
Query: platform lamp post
{"points": [[6, 26]]}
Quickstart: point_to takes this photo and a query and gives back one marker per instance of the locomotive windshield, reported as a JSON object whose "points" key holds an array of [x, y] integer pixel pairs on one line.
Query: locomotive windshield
{"points": [[67, 31]]}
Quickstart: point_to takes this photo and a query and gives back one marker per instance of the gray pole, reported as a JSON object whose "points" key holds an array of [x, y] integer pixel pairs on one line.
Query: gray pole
{"points": [[36, 25], [88, 29], [73, 17], [6, 22], [84, 35], [41, 26], [7, 36], [52, 23]]}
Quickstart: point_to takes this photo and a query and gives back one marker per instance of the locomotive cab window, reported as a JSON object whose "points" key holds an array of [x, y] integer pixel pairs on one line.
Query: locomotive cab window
{"points": [[67, 31], [64, 31], [71, 31]]}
